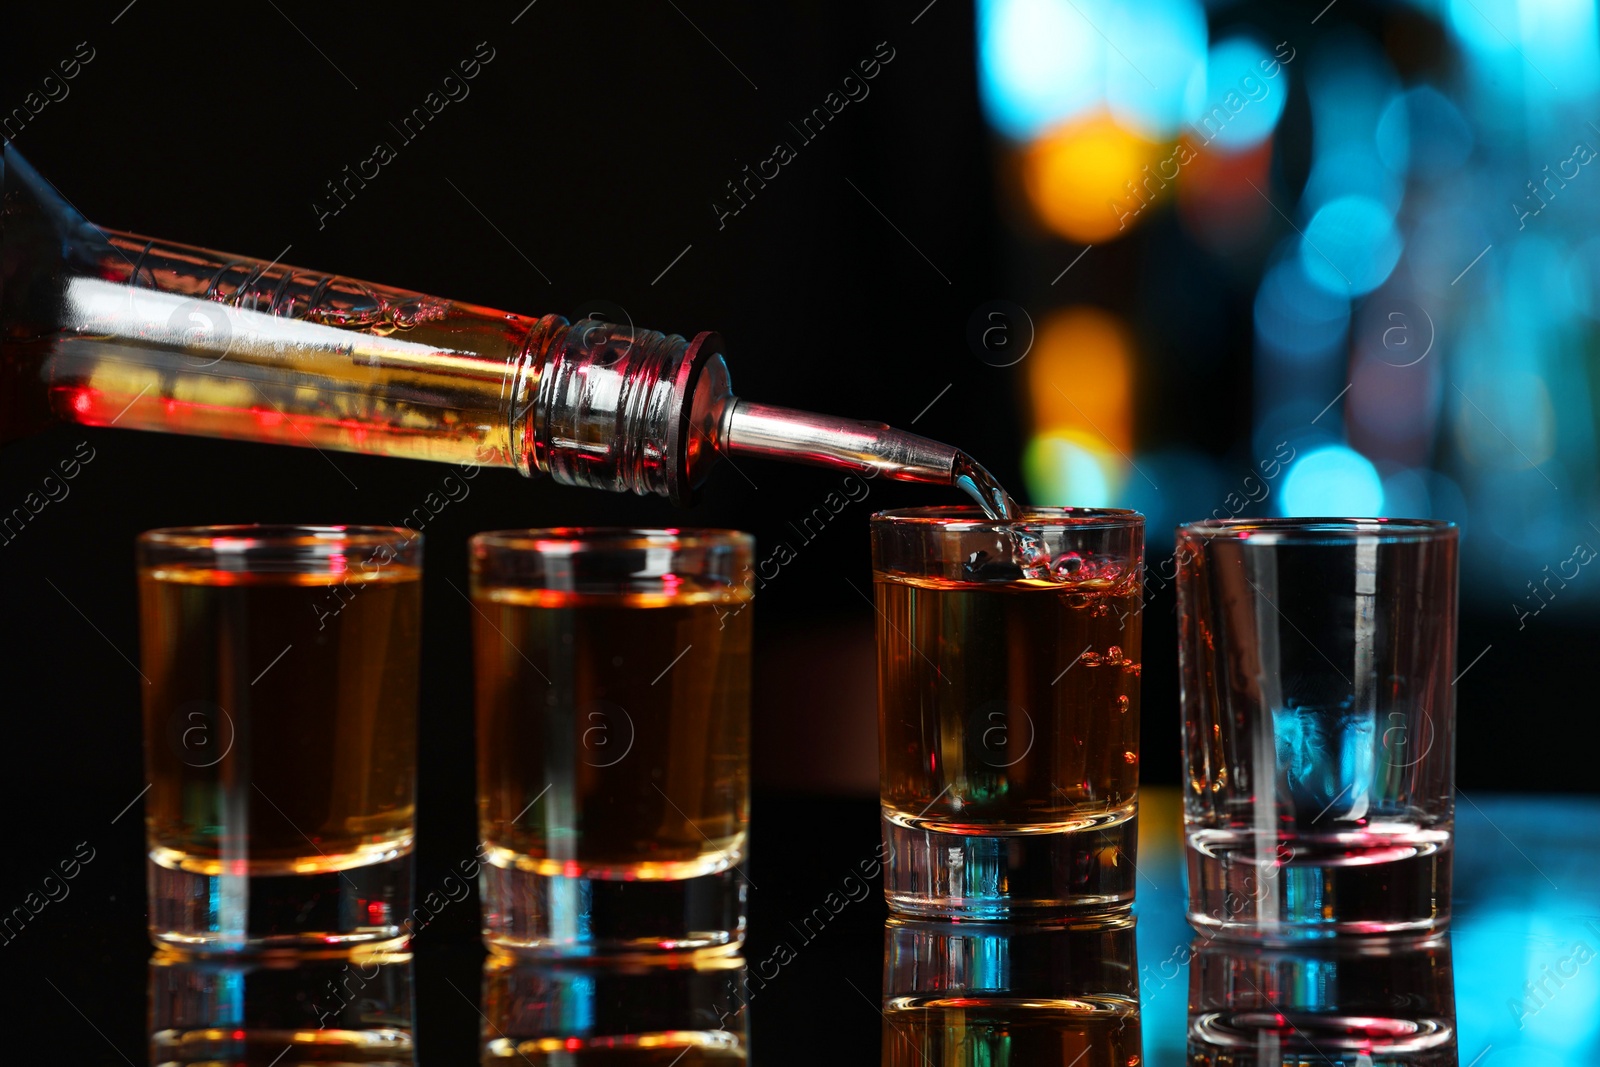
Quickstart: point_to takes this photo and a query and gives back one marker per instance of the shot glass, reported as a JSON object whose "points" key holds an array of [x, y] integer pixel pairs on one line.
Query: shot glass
{"points": [[282, 1009], [1046, 994], [1008, 708], [1388, 1000], [1319, 724], [613, 699], [583, 1012], [280, 717]]}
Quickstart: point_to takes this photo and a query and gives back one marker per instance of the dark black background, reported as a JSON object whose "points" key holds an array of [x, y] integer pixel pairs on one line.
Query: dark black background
{"points": [[595, 143]]}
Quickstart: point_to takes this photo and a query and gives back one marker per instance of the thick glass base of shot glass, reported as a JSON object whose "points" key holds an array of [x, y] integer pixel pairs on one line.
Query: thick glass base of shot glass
{"points": [[337, 1006], [359, 906], [1382, 1000], [553, 1011], [529, 913], [1330, 885], [1020, 874]]}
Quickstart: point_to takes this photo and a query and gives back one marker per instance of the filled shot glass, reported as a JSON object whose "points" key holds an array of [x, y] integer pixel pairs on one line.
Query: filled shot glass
{"points": [[1008, 708], [280, 718], [1061, 992], [613, 693], [1317, 662]]}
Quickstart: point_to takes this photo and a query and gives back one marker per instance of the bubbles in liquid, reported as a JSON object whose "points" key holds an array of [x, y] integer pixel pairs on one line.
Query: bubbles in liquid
{"points": [[1067, 566]]}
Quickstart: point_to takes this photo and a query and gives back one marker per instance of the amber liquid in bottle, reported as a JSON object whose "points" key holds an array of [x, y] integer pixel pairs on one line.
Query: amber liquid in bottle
{"points": [[1008, 707], [621, 731], [280, 725]]}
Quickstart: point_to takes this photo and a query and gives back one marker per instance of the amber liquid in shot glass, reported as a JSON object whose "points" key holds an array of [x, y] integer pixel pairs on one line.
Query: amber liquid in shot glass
{"points": [[1008, 697], [280, 726], [613, 747]]}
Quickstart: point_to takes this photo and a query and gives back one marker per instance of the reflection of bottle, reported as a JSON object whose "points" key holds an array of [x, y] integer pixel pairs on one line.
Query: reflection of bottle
{"points": [[284, 1010], [1041, 994], [1378, 1001], [112, 329], [653, 1015]]}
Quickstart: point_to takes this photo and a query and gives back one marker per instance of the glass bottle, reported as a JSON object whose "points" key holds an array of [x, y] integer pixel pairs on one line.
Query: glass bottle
{"points": [[107, 328]]}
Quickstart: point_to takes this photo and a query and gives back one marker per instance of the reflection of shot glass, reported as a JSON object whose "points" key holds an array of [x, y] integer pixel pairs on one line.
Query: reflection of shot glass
{"points": [[555, 1013], [613, 692], [1319, 724], [1372, 1000], [1008, 708], [280, 733], [285, 1010], [1045, 994]]}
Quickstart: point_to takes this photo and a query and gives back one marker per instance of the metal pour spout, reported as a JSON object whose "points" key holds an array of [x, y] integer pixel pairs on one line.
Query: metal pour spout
{"points": [[770, 432]]}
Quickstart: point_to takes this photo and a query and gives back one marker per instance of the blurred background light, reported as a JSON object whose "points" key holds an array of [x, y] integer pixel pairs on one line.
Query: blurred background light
{"points": [[1548, 47], [1219, 199], [1038, 64], [1423, 132], [1063, 468], [1506, 423], [1420, 330], [1089, 180], [1333, 480], [1159, 50], [1080, 389], [1236, 82], [1350, 245], [1080, 376], [1405, 494], [1520, 521], [1296, 317], [1181, 485]]}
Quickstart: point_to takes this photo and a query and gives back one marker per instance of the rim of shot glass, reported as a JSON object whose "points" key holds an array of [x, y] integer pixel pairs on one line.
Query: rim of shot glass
{"points": [[614, 561], [1314, 530], [969, 518], [571, 540], [282, 548]]}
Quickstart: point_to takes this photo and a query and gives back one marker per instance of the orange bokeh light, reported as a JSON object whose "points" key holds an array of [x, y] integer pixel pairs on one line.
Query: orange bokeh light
{"points": [[1080, 376], [1086, 180]]}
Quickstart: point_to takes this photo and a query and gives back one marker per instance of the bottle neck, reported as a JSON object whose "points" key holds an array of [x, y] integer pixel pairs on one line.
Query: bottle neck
{"points": [[107, 328]]}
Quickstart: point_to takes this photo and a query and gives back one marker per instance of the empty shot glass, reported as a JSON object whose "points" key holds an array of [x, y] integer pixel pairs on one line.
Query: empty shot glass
{"points": [[1008, 708], [1335, 1003], [280, 720], [1319, 724], [613, 693]]}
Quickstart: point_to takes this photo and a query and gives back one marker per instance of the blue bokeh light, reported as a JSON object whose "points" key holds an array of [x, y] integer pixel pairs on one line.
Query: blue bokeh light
{"points": [[1239, 105], [1350, 245], [1297, 318], [1162, 50], [1039, 64], [1423, 132], [1549, 47], [1334, 480], [1191, 486]]}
